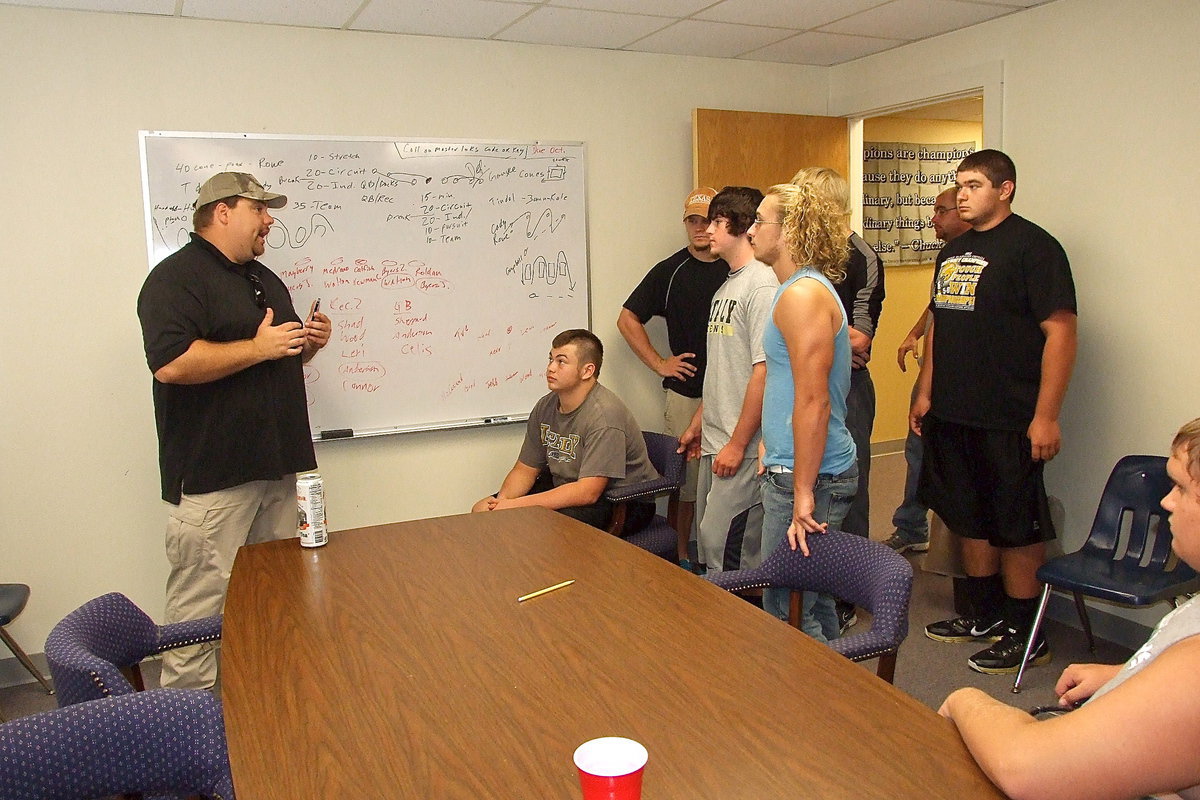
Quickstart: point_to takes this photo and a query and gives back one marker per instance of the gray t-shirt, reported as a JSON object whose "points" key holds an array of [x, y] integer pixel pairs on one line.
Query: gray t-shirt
{"points": [[599, 439], [736, 319], [1180, 624]]}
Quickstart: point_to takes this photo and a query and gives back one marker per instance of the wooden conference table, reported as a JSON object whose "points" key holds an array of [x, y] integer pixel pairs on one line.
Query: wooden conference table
{"points": [[396, 662]]}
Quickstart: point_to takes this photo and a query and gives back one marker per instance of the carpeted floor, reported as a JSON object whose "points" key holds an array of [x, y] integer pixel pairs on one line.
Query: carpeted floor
{"points": [[925, 669]]}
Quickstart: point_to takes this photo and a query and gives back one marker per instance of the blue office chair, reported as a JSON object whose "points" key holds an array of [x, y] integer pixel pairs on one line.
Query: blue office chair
{"points": [[868, 574], [165, 742], [1108, 568], [662, 536], [89, 649], [13, 597]]}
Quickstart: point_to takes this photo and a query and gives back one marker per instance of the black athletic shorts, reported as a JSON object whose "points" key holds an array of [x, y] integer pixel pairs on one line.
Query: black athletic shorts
{"points": [[984, 484]]}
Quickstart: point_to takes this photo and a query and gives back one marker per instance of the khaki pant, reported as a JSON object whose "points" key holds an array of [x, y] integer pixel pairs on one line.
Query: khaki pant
{"points": [[677, 416], [204, 533]]}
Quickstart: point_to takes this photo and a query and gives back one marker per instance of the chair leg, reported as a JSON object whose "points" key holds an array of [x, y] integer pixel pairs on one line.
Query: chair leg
{"points": [[25, 661], [1081, 609], [794, 608], [887, 667], [1033, 634], [681, 536], [133, 674]]}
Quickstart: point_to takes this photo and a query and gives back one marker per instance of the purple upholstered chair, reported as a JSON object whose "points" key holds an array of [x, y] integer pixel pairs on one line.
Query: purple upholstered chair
{"points": [[661, 536], [868, 574], [90, 647], [162, 743]]}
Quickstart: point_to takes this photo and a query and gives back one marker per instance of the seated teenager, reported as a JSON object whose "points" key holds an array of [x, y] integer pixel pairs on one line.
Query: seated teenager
{"points": [[580, 440], [1139, 732]]}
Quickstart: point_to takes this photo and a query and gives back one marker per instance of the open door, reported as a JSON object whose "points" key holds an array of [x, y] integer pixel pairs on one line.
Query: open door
{"points": [[750, 148]]}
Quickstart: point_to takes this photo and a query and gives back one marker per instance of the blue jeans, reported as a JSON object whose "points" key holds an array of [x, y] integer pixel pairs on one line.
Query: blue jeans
{"points": [[911, 518], [833, 496]]}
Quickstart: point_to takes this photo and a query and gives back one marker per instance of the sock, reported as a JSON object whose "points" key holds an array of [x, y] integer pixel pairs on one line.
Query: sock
{"points": [[1019, 612], [985, 595]]}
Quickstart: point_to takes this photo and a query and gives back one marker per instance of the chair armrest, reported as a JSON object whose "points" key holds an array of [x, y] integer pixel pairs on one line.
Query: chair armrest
{"points": [[739, 579], [864, 646], [192, 631], [645, 490]]}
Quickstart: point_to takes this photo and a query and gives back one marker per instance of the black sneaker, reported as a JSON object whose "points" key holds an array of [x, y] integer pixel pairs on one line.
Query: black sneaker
{"points": [[1004, 657], [902, 544], [966, 629], [847, 619]]}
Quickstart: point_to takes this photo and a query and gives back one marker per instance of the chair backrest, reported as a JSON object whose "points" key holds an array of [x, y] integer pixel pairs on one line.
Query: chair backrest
{"points": [[661, 448], [868, 574], [1134, 492], [164, 741], [87, 649]]}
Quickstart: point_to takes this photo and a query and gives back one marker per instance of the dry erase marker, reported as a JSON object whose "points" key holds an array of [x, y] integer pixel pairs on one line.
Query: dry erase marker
{"points": [[312, 312]]}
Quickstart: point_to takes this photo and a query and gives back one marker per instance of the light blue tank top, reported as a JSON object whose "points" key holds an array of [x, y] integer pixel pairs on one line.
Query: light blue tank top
{"points": [[780, 393]]}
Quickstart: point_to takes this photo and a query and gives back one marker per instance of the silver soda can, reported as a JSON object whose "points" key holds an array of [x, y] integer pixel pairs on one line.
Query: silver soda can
{"points": [[310, 497]]}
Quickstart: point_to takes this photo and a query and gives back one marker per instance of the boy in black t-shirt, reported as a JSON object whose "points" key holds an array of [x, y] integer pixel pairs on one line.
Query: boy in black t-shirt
{"points": [[998, 361]]}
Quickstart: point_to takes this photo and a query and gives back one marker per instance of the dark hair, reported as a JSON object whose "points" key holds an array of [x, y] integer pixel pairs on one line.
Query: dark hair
{"points": [[591, 350], [738, 205], [202, 217], [995, 165]]}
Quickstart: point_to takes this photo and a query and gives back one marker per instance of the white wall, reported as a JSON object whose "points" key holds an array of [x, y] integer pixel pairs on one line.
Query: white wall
{"points": [[1100, 116], [79, 472], [1098, 113]]}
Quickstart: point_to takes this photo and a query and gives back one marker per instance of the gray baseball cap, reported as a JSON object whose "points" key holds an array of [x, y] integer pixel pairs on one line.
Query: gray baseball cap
{"points": [[237, 184]]}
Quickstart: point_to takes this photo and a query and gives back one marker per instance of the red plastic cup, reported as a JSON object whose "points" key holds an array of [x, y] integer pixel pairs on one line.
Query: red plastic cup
{"points": [[610, 768]]}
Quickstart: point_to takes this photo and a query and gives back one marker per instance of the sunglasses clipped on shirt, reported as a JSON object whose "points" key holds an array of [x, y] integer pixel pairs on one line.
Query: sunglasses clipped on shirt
{"points": [[260, 291]]}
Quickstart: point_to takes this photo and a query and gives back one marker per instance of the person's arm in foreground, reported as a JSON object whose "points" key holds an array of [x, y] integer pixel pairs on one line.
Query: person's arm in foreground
{"points": [[1058, 359], [909, 345], [514, 492], [804, 319], [924, 393], [729, 459], [317, 330], [677, 366], [1141, 738], [206, 361]]}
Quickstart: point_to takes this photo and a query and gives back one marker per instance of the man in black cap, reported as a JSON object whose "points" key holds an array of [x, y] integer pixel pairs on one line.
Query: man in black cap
{"points": [[226, 348]]}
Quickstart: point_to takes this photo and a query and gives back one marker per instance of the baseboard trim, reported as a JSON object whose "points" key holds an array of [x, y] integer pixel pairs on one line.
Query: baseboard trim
{"points": [[887, 448], [1105, 624], [13, 674]]}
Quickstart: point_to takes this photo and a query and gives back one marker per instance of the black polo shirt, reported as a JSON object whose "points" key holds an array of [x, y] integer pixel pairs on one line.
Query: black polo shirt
{"points": [[680, 289], [251, 425]]}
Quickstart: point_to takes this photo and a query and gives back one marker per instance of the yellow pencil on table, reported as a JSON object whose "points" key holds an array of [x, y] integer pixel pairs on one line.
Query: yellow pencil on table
{"points": [[541, 592]]}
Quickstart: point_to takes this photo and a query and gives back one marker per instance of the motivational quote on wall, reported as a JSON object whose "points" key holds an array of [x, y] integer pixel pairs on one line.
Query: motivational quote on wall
{"points": [[901, 180]]}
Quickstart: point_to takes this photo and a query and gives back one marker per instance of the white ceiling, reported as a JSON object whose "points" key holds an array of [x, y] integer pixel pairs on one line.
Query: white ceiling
{"points": [[816, 32]]}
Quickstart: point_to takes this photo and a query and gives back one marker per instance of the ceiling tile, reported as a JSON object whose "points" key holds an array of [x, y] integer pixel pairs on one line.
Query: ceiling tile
{"points": [[305, 13], [713, 39], [658, 8], [821, 49], [123, 6], [916, 19], [793, 14], [576, 28], [464, 19]]}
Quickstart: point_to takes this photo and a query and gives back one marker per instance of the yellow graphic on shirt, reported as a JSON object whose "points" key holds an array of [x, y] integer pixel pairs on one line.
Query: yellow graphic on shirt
{"points": [[956, 282], [558, 446], [720, 316]]}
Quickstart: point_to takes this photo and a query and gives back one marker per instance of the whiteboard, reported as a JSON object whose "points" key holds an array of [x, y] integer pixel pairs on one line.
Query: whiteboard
{"points": [[446, 266]]}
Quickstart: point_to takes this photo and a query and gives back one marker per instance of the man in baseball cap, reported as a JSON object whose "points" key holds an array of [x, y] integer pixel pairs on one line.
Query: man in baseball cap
{"points": [[236, 184], [680, 289], [226, 349]]}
